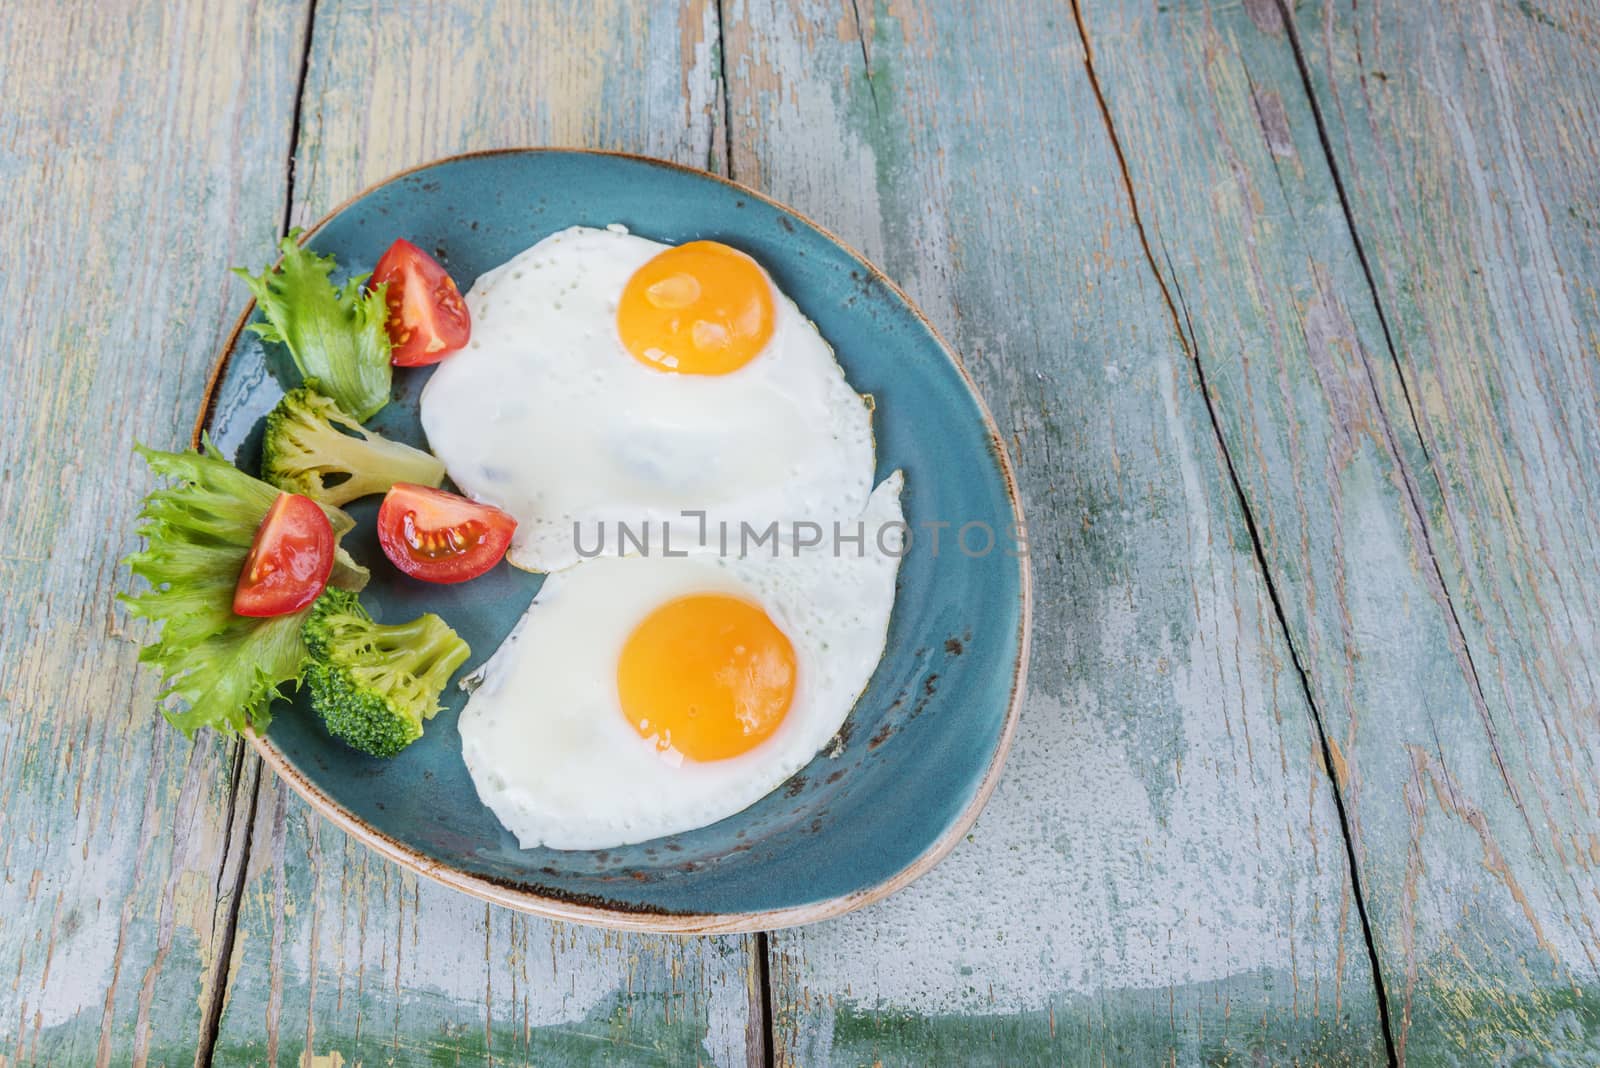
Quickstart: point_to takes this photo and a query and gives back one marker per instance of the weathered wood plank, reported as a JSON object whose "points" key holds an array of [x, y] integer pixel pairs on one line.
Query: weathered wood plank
{"points": [[1160, 877], [1439, 587], [141, 152], [341, 952], [338, 951], [1468, 141]]}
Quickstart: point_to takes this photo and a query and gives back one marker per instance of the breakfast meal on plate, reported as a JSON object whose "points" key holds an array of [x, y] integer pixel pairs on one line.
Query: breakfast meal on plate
{"points": [[614, 379], [596, 379]]}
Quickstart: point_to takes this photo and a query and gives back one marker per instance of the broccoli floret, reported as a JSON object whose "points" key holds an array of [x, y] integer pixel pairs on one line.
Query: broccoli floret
{"points": [[314, 448], [373, 685]]}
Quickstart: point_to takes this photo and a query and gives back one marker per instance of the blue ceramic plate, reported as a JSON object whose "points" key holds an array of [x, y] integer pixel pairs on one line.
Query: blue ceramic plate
{"points": [[923, 747]]}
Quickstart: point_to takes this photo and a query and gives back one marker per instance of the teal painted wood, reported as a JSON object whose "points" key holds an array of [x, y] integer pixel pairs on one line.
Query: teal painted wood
{"points": [[1160, 877], [340, 955], [143, 153], [344, 958], [1467, 142], [1438, 586]]}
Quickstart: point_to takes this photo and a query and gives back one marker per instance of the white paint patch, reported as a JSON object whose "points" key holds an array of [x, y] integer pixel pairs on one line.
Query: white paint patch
{"points": [[1196, 507], [1072, 883], [83, 958], [728, 1007], [61, 907], [1146, 832]]}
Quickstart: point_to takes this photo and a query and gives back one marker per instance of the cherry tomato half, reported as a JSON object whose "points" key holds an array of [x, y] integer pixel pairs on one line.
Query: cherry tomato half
{"points": [[440, 537], [428, 320], [290, 559]]}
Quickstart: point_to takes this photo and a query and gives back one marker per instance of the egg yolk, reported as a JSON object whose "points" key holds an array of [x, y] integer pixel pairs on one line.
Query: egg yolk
{"points": [[699, 309], [710, 676]]}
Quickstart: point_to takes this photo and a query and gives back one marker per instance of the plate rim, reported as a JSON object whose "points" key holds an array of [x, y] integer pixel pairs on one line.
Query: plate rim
{"points": [[552, 904]]}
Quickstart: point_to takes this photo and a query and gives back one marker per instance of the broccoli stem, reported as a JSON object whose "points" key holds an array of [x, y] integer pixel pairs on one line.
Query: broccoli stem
{"points": [[425, 648], [313, 447]]}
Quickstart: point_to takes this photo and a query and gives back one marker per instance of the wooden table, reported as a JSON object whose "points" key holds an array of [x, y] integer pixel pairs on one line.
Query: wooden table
{"points": [[1291, 317]]}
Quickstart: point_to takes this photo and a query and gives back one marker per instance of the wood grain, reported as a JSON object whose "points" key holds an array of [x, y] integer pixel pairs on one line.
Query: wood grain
{"points": [[340, 954], [134, 175], [1160, 877], [1468, 145], [1377, 313], [1435, 565]]}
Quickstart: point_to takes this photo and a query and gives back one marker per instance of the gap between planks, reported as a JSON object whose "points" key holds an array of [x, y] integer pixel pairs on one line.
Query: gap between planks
{"points": [[1413, 494], [1184, 328], [724, 116], [763, 952], [761, 943], [247, 760]]}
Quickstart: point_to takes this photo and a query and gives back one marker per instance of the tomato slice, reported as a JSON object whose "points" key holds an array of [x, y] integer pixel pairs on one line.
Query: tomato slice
{"points": [[290, 559], [441, 537], [428, 320]]}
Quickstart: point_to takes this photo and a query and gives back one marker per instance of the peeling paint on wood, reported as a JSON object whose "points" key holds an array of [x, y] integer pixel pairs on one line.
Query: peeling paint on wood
{"points": [[1427, 514], [1467, 144], [1160, 876], [135, 173], [342, 953], [338, 952]]}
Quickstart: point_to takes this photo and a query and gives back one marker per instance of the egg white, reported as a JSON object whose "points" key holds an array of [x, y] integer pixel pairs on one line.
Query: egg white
{"points": [[544, 736], [546, 415]]}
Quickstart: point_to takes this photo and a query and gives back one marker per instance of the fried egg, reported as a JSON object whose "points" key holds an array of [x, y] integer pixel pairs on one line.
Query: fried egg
{"points": [[643, 696], [615, 380]]}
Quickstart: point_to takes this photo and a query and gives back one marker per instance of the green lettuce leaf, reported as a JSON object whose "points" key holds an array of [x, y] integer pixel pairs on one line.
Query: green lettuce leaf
{"points": [[218, 670], [335, 334]]}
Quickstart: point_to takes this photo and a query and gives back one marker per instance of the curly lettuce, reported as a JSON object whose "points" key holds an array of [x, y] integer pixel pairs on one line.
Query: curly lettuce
{"points": [[218, 669], [335, 334]]}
